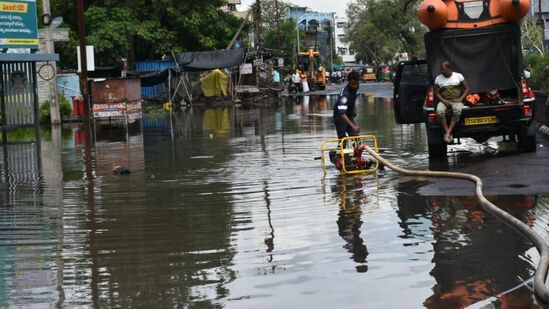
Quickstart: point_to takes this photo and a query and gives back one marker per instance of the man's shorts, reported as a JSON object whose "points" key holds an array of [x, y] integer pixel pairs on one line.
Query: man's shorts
{"points": [[344, 130], [456, 111]]}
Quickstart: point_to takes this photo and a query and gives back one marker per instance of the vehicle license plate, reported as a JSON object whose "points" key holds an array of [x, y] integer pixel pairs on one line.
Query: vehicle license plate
{"points": [[480, 120]]}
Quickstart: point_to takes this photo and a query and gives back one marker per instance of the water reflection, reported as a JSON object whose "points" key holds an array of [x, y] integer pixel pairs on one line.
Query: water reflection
{"points": [[475, 255], [352, 199], [226, 207]]}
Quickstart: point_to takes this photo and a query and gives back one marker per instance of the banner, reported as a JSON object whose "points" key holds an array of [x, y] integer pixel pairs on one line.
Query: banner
{"points": [[18, 24]]}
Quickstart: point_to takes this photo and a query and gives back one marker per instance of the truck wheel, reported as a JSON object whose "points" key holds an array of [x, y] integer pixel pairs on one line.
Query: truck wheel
{"points": [[527, 138], [436, 146]]}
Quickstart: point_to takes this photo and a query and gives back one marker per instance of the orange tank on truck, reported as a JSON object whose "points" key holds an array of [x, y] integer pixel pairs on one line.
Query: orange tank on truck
{"points": [[467, 14]]}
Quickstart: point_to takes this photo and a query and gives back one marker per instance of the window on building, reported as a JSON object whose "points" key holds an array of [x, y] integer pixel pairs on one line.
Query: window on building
{"points": [[341, 24], [342, 50], [341, 37], [351, 52]]}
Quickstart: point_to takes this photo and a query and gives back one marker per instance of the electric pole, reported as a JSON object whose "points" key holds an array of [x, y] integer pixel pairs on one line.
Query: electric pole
{"points": [[277, 23], [52, 83], [257, 15], [84, 89]]}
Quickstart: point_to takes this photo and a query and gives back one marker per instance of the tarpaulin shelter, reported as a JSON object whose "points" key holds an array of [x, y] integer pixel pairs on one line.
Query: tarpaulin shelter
{"points": [[206, 61], [210, 60], [214, 84]]}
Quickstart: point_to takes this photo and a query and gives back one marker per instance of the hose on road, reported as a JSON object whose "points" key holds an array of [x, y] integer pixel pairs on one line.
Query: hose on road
{"points": [[540, 275]]}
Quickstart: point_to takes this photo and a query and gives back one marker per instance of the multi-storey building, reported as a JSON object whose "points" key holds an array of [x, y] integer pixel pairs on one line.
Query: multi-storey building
{"points": [[342, 48], [317, 26], [231, 5]]}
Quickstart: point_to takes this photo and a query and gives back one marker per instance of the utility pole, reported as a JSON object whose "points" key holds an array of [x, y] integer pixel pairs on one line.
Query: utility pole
{"points": [[277, 23], [84, 89], [257, 15], [54, 104], [332, 30]]}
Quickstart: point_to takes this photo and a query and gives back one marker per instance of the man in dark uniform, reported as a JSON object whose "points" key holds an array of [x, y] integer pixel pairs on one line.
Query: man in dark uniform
{"points": [[345, 108]]}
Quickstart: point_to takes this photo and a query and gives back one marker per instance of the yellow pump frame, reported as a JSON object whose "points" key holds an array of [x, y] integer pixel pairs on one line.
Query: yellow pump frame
{"points": [[340, 147]]}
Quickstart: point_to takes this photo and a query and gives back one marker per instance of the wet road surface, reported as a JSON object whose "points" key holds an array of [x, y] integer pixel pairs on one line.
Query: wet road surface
{"points": [[234, 212]]}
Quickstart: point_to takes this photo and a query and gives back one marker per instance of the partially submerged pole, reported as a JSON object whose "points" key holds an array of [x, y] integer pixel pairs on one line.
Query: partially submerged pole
{"points": [[84, 89], [52, 83]]}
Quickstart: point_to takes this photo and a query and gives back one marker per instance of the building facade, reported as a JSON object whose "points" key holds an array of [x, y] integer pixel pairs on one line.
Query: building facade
{"points": [[342, 48], [318, 28], [230, 5]]}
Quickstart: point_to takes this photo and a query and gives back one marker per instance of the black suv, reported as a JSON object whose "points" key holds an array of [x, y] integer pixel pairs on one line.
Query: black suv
{"points": [[490, 59]]}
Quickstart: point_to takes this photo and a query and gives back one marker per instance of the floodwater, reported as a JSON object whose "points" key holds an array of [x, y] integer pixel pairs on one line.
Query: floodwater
{"points": [[226, 207]]}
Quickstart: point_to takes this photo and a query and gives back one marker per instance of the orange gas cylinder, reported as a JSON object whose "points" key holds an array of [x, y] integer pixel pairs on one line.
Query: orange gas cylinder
{"points": [[514, 10], [433, 14]]}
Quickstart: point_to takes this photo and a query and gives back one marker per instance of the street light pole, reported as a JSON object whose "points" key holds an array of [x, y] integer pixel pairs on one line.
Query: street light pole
{"points": [[55, 117], [298, 49]]}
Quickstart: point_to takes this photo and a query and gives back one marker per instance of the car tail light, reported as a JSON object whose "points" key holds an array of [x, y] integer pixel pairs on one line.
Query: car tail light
{"points": [[430, 98], [526, 90], [527, 110]]}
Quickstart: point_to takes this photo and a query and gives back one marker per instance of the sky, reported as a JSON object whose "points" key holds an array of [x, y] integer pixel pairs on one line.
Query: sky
{"points": [[337, 6]]}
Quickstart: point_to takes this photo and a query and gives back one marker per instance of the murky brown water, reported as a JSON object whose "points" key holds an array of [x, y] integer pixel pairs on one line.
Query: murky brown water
{"points": [[234, 212]]}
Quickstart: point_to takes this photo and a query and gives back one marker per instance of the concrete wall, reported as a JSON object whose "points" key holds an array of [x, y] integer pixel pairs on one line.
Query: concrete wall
{"points": [[68, 85]]}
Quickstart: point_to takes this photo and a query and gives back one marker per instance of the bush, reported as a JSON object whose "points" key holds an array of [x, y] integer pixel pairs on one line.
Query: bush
{"points": [[535, 63], [65, 110]]}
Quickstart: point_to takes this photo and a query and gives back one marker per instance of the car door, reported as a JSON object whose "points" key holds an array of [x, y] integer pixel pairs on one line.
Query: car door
{"points": [[410, 88]]}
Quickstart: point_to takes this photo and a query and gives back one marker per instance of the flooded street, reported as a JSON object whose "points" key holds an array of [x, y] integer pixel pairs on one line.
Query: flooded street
{"points": [[226, 207]]}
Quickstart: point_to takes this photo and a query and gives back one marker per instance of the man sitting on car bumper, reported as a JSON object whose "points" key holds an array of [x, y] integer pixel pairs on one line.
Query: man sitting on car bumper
{"points": [[450, 89]]}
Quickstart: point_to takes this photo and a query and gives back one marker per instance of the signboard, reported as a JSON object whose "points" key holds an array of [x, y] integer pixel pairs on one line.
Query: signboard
{"points": [[246, 68], [18, 25], [130, 110], [90, 58], [258, 62], [280, 62]]}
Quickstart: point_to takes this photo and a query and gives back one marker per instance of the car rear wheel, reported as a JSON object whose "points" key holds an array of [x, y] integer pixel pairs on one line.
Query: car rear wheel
{"points": [[436, 146]]}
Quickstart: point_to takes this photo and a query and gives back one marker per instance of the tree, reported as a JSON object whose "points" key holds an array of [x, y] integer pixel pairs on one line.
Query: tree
{"points": [[378, 29], [146, 29], [532, 35], [288, 39]]}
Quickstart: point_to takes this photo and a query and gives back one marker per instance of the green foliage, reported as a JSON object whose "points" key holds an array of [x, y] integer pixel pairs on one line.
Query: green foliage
{"points": [[288, 38], [65, 110], [532, 35], [44, 112], [269, 14], [145, 29], [535, 63], [378, 29]]}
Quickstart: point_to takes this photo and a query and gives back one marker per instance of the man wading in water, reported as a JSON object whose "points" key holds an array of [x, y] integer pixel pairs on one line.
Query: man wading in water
{"points": [[345, 108]]}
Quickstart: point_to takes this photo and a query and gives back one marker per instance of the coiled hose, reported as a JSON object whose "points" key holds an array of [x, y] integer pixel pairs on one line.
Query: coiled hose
{"points": [[541, 271]]}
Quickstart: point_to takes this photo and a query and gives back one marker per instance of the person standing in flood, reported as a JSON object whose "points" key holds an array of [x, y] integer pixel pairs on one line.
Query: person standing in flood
{"points": [[345, 108], [305, 82]]}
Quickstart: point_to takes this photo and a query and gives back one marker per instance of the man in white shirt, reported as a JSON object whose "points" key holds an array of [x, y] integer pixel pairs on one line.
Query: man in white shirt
{"points": [[296, 79], [450, 90]]}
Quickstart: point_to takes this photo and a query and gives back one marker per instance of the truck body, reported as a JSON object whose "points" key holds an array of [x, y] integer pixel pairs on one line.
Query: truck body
{"points": [[490, 59]]}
